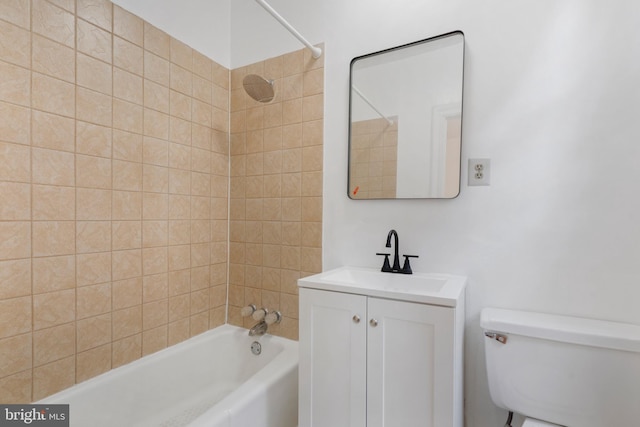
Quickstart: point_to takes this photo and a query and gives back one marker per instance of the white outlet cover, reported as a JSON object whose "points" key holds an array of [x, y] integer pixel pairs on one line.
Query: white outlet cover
{"points": [[479, 172]]}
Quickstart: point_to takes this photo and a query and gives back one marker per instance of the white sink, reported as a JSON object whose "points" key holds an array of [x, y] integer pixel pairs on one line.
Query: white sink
{"points": [[439, 289]]}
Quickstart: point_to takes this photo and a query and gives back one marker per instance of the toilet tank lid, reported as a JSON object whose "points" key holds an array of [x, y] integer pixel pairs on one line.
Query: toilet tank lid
{"points": [[575, 330]]}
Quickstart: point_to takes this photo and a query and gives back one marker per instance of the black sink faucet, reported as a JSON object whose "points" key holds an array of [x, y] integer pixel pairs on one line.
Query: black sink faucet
{"points": [[386, 267], [396, 260]]}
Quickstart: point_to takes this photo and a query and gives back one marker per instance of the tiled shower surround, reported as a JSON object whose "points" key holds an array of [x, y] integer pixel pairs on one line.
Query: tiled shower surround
{"points": [[276, 187], [114, 195]]}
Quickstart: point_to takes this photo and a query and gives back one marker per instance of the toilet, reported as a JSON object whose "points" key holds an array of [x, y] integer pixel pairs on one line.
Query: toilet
{"points": [[563, 371]]}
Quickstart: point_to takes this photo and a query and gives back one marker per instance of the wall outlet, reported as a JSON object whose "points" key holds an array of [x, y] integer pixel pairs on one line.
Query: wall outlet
{"points": [[479, 172]]}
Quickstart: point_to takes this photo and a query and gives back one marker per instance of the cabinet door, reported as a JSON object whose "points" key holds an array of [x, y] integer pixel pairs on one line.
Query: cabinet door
{"points": [[409, 365], [332, 382]]}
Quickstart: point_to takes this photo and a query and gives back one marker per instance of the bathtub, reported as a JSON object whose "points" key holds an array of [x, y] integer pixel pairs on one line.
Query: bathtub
{"points": [[211, 380]]}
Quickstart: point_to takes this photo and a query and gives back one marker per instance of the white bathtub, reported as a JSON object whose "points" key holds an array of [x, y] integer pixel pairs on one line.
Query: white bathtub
{"points": [[211, 380]]}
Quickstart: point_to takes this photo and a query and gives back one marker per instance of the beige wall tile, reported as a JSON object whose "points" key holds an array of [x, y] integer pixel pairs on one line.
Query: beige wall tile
{"points": [[155, 206], [127, 175], [155, 179], [15, 163], [93, 172], [94, 41], [93, 139], [128, 56], [127, 86], [98, 12], [15, 354], [52, 131], [180, 79], [95, 268], [93, 300], [126, 350], [127, 25], [53, 344], [154, 260], [127, 322], [154, 340], [156, 96], [127, 146], [94, 332], [53, 238], [15, 122], [53, 22], [156, 124], [52, 95], [127, 116], [155, 151], [94, 74], [53, 167], [15, 44], [54, 273], [15, 86], [53, 377], [53, 203], [53, 308], [93, 362], [93, 236], [156, 41], [15, 279], [15, 316], [16, 201], [15, 240], [127, 264], [93, 107], [17, 12], [156, 68], [126, 235], [127, 205], [127, 293], [93, 204]]}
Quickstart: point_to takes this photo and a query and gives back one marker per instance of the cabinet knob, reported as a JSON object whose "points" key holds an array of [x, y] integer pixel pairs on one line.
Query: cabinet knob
{"points": [[356, 318], [373, 322]]}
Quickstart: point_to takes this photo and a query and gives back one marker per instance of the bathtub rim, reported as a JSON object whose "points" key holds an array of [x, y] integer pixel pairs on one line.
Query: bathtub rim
{"points": [[284, 358]]}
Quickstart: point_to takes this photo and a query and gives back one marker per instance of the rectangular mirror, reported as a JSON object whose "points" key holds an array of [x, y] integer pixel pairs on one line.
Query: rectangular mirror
{"points": [[405, 111]]}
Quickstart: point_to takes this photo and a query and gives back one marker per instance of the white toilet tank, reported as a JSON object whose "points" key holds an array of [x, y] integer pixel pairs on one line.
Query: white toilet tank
{"points": [[564, 370]]}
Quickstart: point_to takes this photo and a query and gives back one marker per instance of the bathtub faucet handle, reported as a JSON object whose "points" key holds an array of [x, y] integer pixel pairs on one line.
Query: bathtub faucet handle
{"points": [[273, 317], [248, 310], [259, 314]]}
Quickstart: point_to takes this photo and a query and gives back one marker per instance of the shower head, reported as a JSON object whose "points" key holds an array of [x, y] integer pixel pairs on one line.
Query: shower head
{"points": [[258, 88]]}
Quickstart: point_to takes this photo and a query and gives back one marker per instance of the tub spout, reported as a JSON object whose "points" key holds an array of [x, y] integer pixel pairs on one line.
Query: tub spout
{"points": [[258, 329]]}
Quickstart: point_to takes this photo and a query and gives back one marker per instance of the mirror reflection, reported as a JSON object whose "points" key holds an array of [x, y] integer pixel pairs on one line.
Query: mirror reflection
{"points": [[406, 120]]}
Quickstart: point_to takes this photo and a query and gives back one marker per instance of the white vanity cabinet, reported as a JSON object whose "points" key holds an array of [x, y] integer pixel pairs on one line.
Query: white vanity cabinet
{"points": [[372, 359]]}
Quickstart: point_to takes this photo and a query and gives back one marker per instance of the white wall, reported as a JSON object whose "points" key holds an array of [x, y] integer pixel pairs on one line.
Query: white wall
{"points": [[202, 24], [551, 96]]}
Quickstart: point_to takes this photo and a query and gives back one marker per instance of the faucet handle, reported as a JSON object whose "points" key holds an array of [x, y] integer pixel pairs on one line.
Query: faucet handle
{"points": [[386, 267], [273, 317], [248, 310], [259, 314], [406, 269]]}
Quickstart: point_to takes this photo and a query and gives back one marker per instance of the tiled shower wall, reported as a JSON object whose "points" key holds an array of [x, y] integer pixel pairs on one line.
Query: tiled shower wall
{"points": [[373, 159], [276, 187], [113, 192]]}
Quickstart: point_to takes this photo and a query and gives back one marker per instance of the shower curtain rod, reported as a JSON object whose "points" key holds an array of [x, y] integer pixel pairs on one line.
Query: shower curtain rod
{"points": [[370, 104], [316, 51]]}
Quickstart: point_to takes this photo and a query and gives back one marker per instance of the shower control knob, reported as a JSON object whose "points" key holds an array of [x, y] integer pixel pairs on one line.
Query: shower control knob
{"points": [[248, 310], [259, 314], [273, 317]]}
